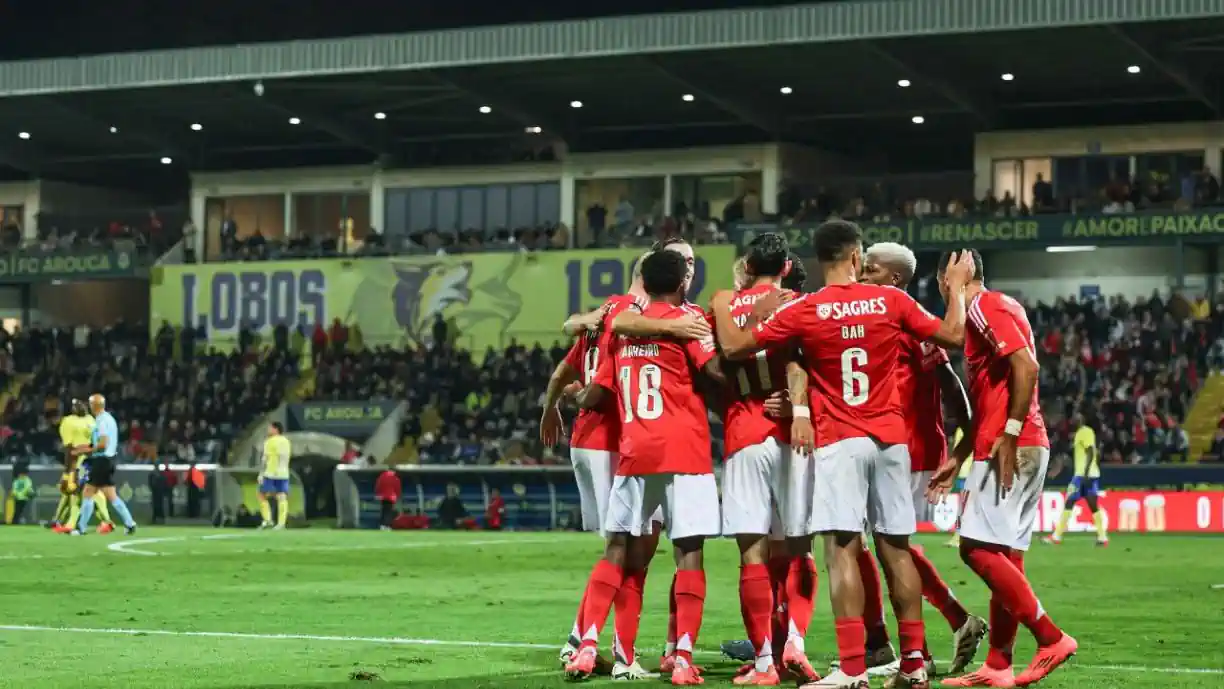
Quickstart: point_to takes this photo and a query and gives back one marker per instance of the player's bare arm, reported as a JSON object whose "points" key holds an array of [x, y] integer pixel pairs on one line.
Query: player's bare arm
{"points": [[582, 322], [550, 422], [591, 396], [633, 324], [714, 371], [951, 331], [953, 392], [1022, 383], [803, 434]]}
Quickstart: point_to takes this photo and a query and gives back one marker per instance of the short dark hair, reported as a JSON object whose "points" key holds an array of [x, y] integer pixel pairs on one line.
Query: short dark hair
{"points": [[767, 255], [835, 239], [798, 274], [666, 242], [280, 427], [663, 272], [979, 268]]}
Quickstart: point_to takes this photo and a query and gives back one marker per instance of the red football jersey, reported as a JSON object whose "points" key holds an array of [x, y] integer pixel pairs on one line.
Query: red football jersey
{"points": [[599, 428], [664, 424], [918, 380], [750, 382], [995, 328], [850, 337]]}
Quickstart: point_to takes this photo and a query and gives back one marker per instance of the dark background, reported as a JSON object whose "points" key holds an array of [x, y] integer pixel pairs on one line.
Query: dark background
{"points": [[61, 28]]}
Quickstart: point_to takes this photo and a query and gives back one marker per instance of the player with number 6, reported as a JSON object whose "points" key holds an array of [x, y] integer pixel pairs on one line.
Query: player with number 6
{"points": [[849, 335]]}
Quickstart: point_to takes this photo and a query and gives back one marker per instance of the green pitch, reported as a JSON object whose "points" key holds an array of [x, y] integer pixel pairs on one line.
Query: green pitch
{"points": [[209, 609]]}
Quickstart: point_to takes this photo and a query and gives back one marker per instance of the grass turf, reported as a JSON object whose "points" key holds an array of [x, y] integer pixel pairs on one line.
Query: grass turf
{"points": [[207, 609]]}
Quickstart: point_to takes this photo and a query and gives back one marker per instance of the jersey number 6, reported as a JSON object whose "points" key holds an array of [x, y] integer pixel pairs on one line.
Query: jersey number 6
{"points": [[855, 385], [648, 403]]}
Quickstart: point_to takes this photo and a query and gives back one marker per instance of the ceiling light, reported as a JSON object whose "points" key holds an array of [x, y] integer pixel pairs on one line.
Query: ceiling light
{"points": [[114, 130], [1133, 69], [295, 120], [380, 115], [1008, 76], [533, 130], [575, 104], [23, 135], [485, 110], [903, 83], [687, 98], [917, 119], [196, 126], [786, 90], [1069, 249], [166, 160]]}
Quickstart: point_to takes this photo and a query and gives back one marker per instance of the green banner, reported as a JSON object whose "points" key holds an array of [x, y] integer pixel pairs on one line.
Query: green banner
{"points": [[487, 300], [1034, 232], [345, 419], [34, 266]]}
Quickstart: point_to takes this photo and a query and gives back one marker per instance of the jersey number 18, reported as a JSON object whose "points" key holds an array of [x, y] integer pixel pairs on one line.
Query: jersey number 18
{"points": [[647, 403]]}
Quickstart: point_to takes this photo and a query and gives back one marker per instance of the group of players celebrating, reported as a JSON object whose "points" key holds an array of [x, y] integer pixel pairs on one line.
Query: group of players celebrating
{"points": [[832, 407]]}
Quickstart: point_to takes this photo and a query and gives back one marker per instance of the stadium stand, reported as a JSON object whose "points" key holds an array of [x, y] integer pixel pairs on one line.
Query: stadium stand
{"points": [[173, 403]]}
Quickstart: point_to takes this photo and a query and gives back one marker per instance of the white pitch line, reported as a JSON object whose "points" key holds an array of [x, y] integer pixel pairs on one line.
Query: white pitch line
{"points": [[402, 641], [126, 548]]}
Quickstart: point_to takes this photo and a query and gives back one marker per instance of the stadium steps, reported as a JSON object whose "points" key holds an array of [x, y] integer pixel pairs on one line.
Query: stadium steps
{"points": [[1204, 415]]}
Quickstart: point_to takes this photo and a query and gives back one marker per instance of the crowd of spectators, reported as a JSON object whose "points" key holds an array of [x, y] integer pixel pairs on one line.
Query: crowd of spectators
{"points": [[173, 401], [150, 232], [1130, 368]]}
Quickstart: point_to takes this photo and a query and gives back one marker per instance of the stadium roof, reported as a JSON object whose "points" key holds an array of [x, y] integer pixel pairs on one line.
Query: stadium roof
{"points": [[845, 95]]}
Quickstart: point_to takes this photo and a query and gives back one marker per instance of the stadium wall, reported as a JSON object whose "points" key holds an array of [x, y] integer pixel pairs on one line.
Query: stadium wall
{"points": [[1131, 272]]}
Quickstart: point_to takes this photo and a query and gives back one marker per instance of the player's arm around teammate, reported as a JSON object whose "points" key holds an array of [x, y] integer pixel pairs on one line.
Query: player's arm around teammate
{"points": [[954, 395]]}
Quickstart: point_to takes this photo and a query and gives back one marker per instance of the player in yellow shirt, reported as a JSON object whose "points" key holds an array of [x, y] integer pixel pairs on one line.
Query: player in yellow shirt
{"points": [[274, 480], [76, 436], [1086, 483]]}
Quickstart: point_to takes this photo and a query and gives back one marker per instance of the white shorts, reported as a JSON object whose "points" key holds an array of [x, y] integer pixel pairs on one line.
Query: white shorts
{"points": [[862, 483], [755, 491], [689, 505], [1006, 521], [593, 472], [924, 511]]}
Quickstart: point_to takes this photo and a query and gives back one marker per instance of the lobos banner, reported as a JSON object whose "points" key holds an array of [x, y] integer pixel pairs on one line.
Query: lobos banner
{"points": [[1126, 511]]}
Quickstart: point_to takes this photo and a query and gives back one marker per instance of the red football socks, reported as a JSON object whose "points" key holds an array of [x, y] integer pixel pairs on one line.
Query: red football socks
{"points": [[579, 627], [912, 637], [1011, 596], [801, 586], [873, 600], [671, 615], [937, 592], [778, 566], [690, 603], [606, 580], [628, 607], [756, 604], [851, 645]]}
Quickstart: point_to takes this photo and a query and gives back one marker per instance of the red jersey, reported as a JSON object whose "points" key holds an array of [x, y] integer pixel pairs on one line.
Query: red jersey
{"points": [[750, 382], [918, 380], [850, 337], [665, 428], [995, 328], [597, 429]]}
